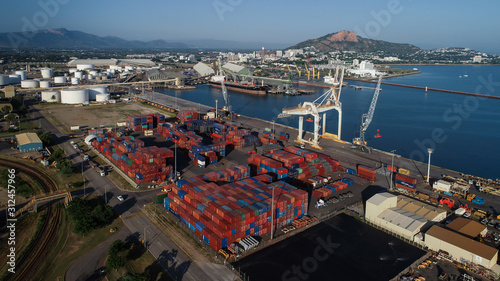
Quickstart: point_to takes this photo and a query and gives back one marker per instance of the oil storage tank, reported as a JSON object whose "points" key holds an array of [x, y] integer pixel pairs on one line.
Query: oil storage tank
{"points": [[44, 84], [30, 84], [102, 98], [4, 80], [79, 75], [21, 73], [94, 91], [75, 95], [84, 66], [59, 80], [51, 96], [75, 80], [47, 73]]}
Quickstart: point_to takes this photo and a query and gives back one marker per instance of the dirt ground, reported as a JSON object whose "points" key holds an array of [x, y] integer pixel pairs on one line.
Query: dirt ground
{"points": [[94, 116]]}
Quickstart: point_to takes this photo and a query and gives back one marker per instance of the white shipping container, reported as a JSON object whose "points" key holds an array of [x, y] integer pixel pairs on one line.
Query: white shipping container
{"points": [[73, 128], [121, 124]]}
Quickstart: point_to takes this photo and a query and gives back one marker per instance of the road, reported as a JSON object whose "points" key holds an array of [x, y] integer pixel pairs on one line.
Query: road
{"points": [[170, 256]]}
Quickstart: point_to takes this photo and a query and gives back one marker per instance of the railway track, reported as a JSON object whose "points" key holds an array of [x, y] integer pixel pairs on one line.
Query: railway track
{"points": [[43, 238]]}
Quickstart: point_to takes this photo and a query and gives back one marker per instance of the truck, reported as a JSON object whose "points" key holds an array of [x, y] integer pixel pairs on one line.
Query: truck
{"points": [[478, 200], [480, 214]]}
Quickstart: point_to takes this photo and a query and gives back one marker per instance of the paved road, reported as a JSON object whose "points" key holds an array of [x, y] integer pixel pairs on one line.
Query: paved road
{"points": [[178, 265]]}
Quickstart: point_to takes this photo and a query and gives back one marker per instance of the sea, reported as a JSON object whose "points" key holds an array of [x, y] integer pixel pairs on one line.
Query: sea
{"points": [[462, 130]]}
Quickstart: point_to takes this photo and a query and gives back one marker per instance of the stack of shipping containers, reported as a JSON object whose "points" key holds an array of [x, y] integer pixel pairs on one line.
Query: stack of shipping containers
{"points": [[221, 215], [138, 123], [367, 173], [406, 183]]}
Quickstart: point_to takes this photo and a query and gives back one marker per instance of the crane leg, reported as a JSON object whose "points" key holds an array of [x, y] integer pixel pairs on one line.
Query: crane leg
{"points": [[301, 130], [315, 142], [340, 122], [324, 123]]}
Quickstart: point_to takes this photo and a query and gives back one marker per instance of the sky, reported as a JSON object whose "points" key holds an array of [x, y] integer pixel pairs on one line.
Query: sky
{"points": [[279, 23]]}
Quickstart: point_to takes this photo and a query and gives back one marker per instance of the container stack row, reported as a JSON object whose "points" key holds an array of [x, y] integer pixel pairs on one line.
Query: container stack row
{"points": [[405, 183], [187, 115], [221, 215], [143, 164], [367, 173], [145, 122], [265, 165]]}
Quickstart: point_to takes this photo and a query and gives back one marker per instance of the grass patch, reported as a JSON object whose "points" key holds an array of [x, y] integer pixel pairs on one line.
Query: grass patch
{"points": [[68, 247], [142, 262]]}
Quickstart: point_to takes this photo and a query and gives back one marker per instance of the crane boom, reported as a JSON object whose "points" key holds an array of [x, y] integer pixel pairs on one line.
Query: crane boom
{"points": [[371, 111]]}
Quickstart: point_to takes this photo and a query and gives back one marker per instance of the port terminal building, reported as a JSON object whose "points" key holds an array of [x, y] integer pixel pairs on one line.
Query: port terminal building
{"points": [[28, 142], [402, 215]]}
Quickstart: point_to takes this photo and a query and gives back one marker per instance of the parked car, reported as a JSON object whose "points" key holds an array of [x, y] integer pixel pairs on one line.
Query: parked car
{"points": [[119, 197]]}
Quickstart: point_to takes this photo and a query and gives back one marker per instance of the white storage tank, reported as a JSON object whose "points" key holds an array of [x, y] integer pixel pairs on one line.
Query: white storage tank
{"points": [[93, 73], [44, 84], [51, 96], [30, 84], [129, 68], [75, 96], [59, 80], [21, 73], [94, 91], [4, 80], [84, 66], [79, 75], [73, 70], [75, 80], [90, 76], [47, 73], [102, 97], [15, 78]]}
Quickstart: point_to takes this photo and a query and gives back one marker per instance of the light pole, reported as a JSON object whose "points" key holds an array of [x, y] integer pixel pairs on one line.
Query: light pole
{"points": [[216, 109], [145, 241], [392, 166], [430, 150]]}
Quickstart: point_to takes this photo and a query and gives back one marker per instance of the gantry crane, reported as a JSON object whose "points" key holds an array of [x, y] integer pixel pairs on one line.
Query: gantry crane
{"points": [[224, 91], [366, 119], [308, 72], [296, 67], [328, 101]]}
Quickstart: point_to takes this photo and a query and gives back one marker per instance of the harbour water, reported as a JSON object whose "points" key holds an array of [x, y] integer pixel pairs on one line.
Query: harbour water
{"points": [[464, 131]]}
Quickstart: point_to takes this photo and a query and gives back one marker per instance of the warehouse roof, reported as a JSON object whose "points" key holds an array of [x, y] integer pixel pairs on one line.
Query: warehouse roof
{"points": [[462, 242], [237, 69], [27, 138], [466, 226], [380, 198], [403, 219], [420, 208], [203, 69], [108, 62]]}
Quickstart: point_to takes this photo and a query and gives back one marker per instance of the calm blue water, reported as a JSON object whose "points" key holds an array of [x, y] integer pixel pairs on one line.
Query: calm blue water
{"points": [[463, 130]]}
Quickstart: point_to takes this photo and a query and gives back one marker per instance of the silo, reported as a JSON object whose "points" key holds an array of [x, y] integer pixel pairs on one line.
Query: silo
{"points": [[74, 96], [79, 75], [59, 80], [94, 91], [102, 98], [30, 84], [21, 73], [90, 76], [51, 96], [47, 73], [4, 80], [15, 78], [44, 84], [75, 80]]}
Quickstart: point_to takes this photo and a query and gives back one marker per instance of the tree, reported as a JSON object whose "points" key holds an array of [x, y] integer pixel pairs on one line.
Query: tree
{"points": [[103, 214], [116, 247], [46, 138], [57, 155], [11, 118], [6, 109], [115, 261]]}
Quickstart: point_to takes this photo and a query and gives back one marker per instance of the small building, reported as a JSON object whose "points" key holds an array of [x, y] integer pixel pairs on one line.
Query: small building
{"points": [[468, 227], [460, 247], [28, 142]]}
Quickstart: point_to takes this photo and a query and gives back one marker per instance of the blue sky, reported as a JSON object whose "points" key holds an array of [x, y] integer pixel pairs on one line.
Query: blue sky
{"points": [[426, 24]]}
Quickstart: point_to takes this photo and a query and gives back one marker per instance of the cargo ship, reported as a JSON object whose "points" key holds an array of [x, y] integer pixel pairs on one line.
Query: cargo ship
{"points": [[238, 86]]}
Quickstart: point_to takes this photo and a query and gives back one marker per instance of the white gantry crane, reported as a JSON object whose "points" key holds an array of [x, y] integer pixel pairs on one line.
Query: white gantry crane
{"points": [[366, 119], [328, 101]]}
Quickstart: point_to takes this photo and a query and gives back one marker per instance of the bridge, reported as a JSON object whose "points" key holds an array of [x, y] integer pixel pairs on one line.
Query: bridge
{"points": [[33, 205]]}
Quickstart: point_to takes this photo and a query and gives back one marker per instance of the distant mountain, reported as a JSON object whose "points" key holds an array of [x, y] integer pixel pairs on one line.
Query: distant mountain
{"points": [[229, 44], [62, 38], [348, 41]]}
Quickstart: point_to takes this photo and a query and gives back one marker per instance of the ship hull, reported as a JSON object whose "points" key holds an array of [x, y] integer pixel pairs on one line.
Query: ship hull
{"points": [[240, 88]]}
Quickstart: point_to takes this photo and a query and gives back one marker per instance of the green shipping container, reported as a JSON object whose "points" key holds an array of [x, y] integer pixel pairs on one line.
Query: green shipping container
{"points": [[160, 197]]}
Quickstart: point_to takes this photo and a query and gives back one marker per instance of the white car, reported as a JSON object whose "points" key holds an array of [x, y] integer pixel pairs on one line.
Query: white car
{"points": [[119, 197]]}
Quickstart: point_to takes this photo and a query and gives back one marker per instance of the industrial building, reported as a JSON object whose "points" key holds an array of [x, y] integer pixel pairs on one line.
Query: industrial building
{"points": [[157, 74], [203, 69], [460, 247], [28, 142], [110, 62], [401, 215], [468, 227]]}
